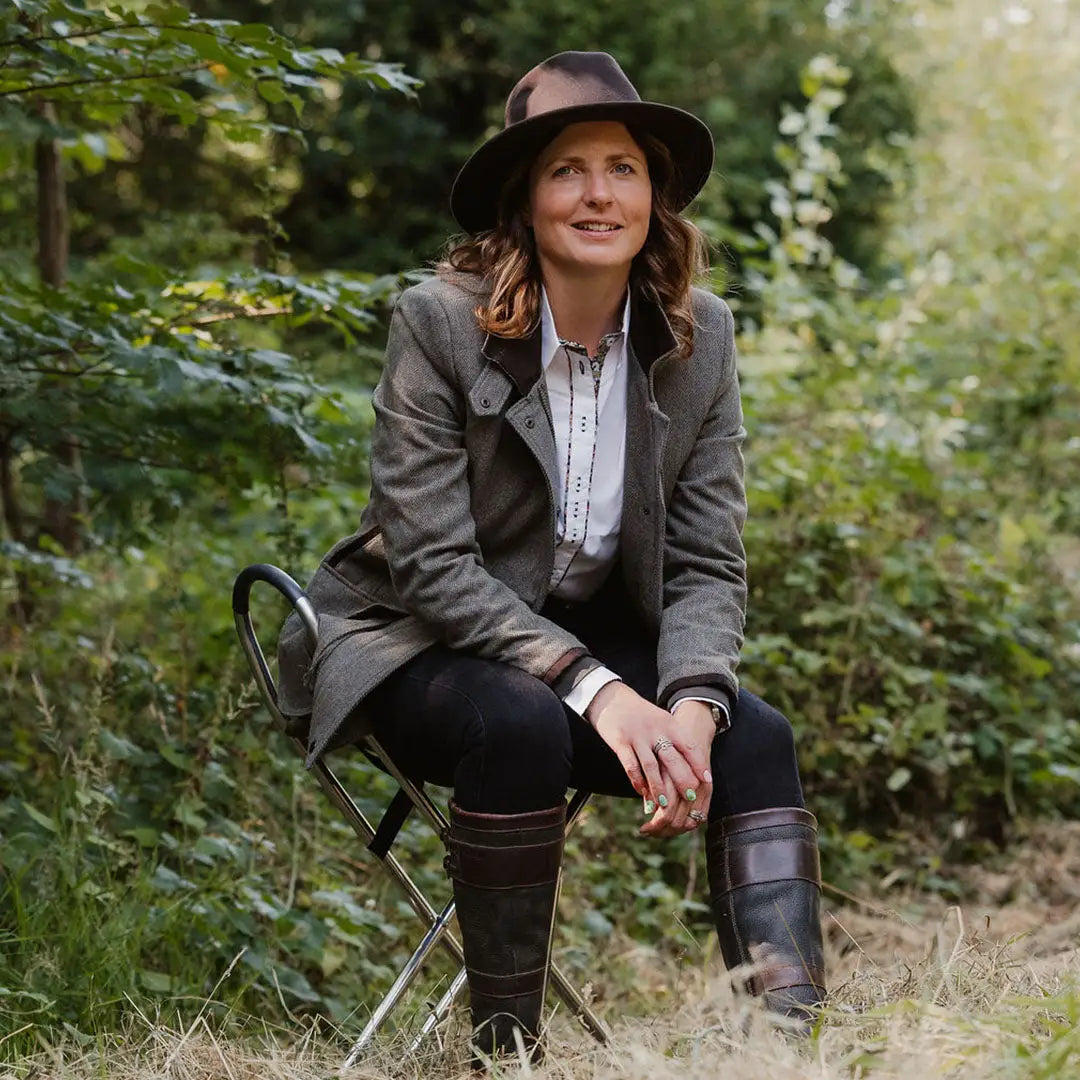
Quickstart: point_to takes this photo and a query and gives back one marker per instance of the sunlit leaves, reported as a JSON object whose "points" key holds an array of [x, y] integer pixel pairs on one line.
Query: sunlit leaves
{"points": [[107, 61]]}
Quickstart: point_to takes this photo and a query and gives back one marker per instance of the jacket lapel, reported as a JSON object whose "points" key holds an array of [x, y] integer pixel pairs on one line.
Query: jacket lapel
{"points": [[519, 358], [651, 336], [643, 522]]}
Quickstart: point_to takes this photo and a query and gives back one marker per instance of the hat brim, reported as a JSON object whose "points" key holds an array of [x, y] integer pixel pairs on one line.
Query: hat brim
{"points": [[474, 200]]}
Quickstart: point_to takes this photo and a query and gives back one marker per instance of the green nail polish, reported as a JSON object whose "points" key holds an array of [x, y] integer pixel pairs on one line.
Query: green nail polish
{"points": [[663, 800], [650, 808], [691, 794]]}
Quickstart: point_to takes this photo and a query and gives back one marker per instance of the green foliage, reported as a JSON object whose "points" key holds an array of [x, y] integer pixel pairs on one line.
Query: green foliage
{"points": [[106, 61], [375, 185], [205, 391], [197, 400], [912, 605]]}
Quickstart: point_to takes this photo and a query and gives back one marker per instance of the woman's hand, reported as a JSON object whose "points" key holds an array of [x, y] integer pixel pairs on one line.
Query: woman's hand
{"points": [[691, 730], [631, 726]]}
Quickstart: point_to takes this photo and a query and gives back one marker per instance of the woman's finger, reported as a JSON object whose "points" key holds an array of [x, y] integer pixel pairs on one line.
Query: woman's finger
{"points": [[651, 767], [683, 778], [704, 793], [634, 773], [696, 756], [706, 797], [659, 823], [681, 822]]}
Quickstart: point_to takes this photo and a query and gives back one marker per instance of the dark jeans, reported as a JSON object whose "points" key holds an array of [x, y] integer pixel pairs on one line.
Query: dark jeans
{"points": [[506, 744]]}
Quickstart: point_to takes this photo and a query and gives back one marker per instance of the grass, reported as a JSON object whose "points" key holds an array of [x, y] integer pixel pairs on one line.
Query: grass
{"points": [[988, 990]]}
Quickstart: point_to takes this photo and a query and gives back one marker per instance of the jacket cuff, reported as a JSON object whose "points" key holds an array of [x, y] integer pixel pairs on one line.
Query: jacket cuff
{"points": [[703, 691], [573, 666]]}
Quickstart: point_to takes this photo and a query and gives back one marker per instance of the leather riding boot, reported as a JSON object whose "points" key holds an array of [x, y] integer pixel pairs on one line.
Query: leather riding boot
{"points": [[765, 886], [505, 869]]}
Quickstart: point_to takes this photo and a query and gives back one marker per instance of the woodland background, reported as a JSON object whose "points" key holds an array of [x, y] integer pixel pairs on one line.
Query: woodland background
{"points": [[206, 211]]}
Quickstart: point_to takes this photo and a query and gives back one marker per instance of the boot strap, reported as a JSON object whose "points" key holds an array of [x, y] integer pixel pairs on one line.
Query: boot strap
{"points": [[783, 978], [507, 986], [771, 860], [504, 868], [767, 819]]}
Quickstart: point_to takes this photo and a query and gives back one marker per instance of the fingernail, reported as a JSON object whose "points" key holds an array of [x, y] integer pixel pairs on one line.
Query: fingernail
{"points": [[691, 794], [663, 800], [650, 807], [708, 777]]}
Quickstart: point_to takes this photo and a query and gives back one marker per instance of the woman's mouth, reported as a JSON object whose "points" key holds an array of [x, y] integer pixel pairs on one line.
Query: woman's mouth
{"points": [[596, 226]]}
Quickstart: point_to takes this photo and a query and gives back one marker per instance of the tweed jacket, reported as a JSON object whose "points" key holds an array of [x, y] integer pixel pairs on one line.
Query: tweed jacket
{"points": [[456, 543]]}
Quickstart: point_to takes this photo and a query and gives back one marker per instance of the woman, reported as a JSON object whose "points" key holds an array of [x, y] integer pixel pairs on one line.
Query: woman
{"points": [[548, 585]]}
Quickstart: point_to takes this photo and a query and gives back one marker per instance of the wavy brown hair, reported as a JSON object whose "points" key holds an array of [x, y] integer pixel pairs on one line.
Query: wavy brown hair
{"points": [[674, 255]]}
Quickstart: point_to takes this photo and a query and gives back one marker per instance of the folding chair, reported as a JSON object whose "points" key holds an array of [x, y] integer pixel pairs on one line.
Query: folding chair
{"points": [[379, 839]]}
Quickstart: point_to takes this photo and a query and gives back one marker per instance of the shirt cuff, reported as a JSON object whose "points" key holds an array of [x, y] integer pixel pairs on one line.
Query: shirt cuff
{"points": [[701, 695], [588, 686]]}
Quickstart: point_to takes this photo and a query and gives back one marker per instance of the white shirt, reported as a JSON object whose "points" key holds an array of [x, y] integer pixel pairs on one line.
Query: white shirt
{"points": [[587, 397], [588, 414]]}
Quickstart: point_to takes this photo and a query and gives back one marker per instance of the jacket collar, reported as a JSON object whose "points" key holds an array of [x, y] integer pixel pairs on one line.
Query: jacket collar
{"points": [[651, 338]]}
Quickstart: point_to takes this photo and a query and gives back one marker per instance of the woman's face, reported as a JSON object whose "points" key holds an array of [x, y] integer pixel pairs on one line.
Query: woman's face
{"points": [[590, 199]]}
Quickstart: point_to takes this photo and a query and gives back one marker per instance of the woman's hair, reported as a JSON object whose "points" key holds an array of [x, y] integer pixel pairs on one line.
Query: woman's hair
{"points": [[673, 256]]}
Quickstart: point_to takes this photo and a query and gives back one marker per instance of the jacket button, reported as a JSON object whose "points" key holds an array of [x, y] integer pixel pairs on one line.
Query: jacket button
{"points": [[646, 511], [485, 402], [529, 422]]}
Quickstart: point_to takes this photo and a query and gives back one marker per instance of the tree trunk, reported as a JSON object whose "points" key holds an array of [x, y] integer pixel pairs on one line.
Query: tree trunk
{"points": [[62, 518], [52, 204], [13, 521]]}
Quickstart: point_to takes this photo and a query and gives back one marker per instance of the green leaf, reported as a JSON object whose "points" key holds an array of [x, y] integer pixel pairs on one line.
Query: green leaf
{"points": [[156, 982], [118, 748], [177, 758], [898, 778], [144, 836], [41, 819]]}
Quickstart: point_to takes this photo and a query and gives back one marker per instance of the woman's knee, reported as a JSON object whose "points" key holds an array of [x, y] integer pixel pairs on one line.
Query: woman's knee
{"points": [[521, 724], [754, 761], [758, 731]]}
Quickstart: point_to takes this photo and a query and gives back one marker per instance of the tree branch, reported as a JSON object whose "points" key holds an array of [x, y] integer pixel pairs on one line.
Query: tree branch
{"points": [[243, 313], [78, 34], [49, 87]]}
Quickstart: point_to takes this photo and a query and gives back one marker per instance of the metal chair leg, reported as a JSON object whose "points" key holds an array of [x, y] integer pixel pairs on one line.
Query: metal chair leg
{"points": [[401, 984], [439, 1013]]}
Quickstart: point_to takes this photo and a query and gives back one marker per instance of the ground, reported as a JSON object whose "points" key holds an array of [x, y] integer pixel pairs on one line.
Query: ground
{"points": [[987, 988]]}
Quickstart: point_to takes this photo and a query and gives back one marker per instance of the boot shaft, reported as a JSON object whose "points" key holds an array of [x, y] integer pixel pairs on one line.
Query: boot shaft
{"points": [[506, 870], [765, 886]]}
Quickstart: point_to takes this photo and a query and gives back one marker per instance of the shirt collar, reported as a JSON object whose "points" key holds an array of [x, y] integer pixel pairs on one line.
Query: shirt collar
{"points": [[550, 341]]}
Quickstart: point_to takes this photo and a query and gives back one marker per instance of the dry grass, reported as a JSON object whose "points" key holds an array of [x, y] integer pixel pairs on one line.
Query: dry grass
{"points": [[919, 990]]}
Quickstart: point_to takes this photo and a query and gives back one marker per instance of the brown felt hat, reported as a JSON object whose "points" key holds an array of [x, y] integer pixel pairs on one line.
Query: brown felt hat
{"points": [[568, 88]]}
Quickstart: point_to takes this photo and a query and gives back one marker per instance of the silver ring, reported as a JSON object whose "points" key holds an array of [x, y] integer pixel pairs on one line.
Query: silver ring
{"points": [[696, 815], [661, 744]]}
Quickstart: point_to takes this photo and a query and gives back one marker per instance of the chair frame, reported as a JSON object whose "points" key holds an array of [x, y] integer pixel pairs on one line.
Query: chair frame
{"points": [[379, 839]]}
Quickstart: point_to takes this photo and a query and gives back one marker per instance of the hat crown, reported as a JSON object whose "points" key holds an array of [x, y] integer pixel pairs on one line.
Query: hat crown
{"points": [[566, 80]]}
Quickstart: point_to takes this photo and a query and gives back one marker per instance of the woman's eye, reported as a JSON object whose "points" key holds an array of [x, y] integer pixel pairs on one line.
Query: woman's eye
{"points": [[562, 170], [624, 168]]}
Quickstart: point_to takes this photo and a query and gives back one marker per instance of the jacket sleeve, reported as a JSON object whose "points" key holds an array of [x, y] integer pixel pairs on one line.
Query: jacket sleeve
{"points": [[420, 494], [701, 627]]}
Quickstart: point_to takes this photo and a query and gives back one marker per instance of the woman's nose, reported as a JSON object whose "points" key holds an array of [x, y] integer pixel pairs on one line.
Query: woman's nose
{"points": [[597, 189]]}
